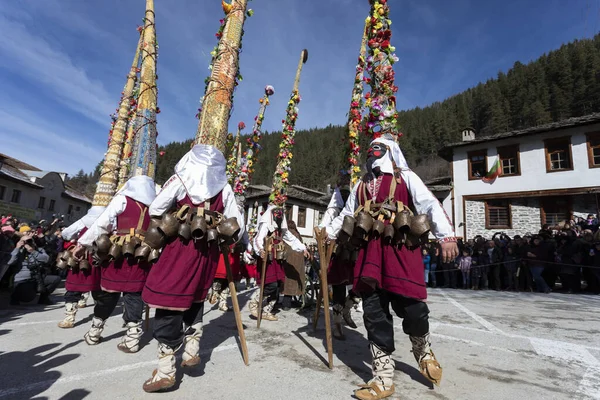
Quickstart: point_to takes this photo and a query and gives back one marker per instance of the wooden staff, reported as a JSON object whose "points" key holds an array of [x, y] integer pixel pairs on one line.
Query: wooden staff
{"points": [[263, 274], [325, 252], [236, 305]]}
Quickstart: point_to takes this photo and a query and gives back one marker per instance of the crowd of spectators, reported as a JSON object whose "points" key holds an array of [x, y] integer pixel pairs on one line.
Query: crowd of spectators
{"points": [[27, 259], [565, 257]]}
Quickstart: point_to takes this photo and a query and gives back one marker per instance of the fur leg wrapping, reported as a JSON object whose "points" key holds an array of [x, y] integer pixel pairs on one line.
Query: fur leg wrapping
{"points": [[253, 304], [223, 299], [428, 365], [164, 376], [268, 311], [382, 384], [94, 335], [346, 312], [82, 303], [70, 311], [338, 331], [191, 351], [131, 341]]}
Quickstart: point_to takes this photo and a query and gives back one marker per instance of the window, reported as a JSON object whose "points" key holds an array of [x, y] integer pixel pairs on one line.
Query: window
{"points": [[70, 211], [301, 217], [555, 210], [509, 160], [477, 164], [289, 212], [593, 146], [41, 202], [558, 154], [51, 207], [2, 192], [16, 196], [77, 208], [498, 214]]}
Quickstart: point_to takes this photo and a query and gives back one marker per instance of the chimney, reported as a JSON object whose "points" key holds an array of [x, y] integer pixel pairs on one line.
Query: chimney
{"points": [[468, 135]]}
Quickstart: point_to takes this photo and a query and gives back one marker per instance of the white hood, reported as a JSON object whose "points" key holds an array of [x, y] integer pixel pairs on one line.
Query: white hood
{"points": [[140, 188], [267, 219], [392, 156], [337, 200], [202, 172]]}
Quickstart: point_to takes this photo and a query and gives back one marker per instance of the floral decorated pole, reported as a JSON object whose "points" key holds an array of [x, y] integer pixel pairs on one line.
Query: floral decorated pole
{"points": [[355, 113], [218, 97], [248, 159], [143, 158], [252, 225], [281, 176], [232, 161], [109, 173], [381, 101]]}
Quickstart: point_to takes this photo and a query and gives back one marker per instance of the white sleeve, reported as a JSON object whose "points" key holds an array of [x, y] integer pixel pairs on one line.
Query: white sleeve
{"points": [[106, 222], [231, 209], [426, 203], [72, 231], [351, 204], [171, 191], [293, 241], [259, 238], [329, 216]]}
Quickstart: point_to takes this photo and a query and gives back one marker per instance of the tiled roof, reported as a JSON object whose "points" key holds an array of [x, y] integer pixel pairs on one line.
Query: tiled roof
{"points": [[13, 173], [74, 194], [292, 193], [13, 162], [446, 151]]}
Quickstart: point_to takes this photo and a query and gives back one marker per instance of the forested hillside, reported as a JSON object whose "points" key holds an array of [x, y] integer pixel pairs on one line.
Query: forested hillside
{"points": [[558, 85]]}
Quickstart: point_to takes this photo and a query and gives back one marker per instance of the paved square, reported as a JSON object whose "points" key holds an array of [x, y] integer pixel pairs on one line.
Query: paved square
{"points": [[492, 345]]}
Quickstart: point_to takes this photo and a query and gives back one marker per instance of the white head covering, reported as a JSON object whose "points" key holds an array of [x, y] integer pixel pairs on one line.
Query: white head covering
{"points": [[202, 172], [337, 201], [267, 218], [140, 188], [84, 222], [394, 153]]}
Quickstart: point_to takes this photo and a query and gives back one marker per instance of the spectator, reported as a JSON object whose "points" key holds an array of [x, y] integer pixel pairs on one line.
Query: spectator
{"points": [[464, 264], [536, 255], [28, 264], [590, 223], [426, 264], [495, 257], [435, 261], [511, 265]]}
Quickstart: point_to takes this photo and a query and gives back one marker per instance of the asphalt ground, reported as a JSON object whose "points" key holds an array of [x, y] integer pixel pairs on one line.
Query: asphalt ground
{"points": [[492, 345]]}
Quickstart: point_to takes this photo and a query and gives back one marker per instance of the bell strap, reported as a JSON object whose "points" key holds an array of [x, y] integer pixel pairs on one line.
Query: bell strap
{"points": [[183, 212]]}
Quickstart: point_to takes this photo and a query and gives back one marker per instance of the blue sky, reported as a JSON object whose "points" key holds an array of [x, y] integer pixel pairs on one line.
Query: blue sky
{"points": [[63, 62]]}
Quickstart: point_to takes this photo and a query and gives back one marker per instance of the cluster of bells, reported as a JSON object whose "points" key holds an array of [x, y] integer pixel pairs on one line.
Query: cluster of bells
{"points": [[186, 224], [403, 229]]}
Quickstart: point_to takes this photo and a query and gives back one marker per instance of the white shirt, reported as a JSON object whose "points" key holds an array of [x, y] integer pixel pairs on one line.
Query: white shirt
{"points": [[73, 230], [424, 201], [264, 229], [106, 222]]}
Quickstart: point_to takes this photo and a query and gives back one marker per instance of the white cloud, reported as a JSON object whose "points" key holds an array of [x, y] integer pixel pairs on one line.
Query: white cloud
{"points": [[36, 59]]}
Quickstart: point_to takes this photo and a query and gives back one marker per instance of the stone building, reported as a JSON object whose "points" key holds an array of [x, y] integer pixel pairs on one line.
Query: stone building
{"points": [[304, 206], [31, 194], [548, 173]]}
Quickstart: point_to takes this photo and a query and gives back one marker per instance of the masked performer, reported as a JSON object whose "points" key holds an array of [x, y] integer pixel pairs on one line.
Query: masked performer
{"points": [[274, 225], [179, 282], [388, 270], [125, 219]]}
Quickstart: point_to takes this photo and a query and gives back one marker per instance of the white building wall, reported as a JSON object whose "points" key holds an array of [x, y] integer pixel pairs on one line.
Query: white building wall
{"points": [[532, 166]]}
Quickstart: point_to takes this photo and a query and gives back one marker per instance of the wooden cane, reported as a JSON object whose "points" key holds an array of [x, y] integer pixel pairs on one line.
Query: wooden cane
{"points": [[263, 274], [325, 252], [236, 305]]}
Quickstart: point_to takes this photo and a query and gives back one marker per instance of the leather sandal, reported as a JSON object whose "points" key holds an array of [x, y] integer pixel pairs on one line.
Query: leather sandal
{"points": [[432, 370], [157, 386], [366, 392]]}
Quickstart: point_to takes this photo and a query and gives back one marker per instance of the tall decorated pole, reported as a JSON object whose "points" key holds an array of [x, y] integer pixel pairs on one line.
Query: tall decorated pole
{"points": [[248, 159], [218, 97], [355, 113], [232, 161], [278, 195], [143, 159], [381, 101], [109, 174]]}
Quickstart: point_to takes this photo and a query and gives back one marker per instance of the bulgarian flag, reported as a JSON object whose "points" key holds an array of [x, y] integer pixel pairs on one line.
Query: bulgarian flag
{"points": [[493, 173]]}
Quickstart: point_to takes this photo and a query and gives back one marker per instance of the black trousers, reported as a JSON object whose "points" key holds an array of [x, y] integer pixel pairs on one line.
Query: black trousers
{"points": [[74, 297], [271, 291], [379, 321], [339, 294], [106, 302], [168, 324]]}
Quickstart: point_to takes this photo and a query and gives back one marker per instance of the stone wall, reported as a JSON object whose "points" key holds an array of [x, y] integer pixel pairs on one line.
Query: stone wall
{"points": [[526, 218], [526, 215]]}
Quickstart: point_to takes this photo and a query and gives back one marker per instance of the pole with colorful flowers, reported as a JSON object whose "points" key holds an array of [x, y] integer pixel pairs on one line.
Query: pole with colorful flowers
{"points": [[381, 101], [355, 113], [232, 161], [281, 176], [248, 160]]}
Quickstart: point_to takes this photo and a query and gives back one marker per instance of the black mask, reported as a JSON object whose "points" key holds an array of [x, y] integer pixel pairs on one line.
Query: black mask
{"points": [[376, 151]]}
